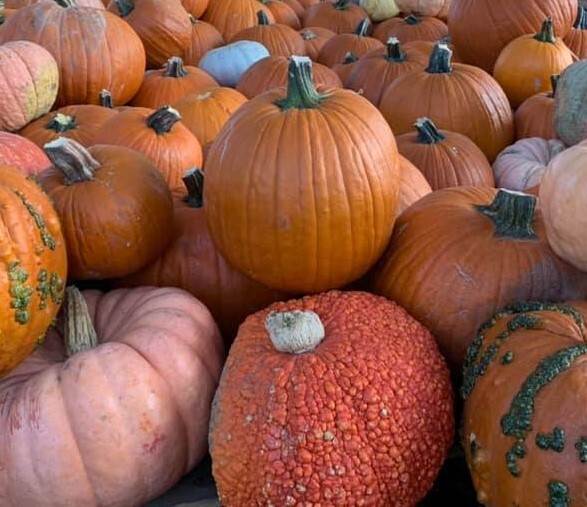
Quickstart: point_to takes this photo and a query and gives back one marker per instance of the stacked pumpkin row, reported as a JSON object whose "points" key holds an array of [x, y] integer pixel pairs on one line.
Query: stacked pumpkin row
{"points": [[190, 176]]}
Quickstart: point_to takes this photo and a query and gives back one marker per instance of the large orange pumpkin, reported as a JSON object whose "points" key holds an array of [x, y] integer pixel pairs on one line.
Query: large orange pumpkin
{"points": [[340, 398], [313, 198], [340, 16], [33, 269], [232, 16]]}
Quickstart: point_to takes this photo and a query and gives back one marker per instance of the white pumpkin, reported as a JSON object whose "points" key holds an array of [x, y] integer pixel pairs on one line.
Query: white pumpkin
{"points": [[228, 63], [380, 10], [437, 8]]}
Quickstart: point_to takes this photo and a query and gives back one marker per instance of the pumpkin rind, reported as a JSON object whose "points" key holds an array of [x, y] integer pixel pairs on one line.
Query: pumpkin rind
{"points": [[19, 152], [413, 185]]}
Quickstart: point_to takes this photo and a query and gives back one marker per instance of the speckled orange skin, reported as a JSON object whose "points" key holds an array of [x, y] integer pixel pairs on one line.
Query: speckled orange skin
{"points": [[364, 419]]}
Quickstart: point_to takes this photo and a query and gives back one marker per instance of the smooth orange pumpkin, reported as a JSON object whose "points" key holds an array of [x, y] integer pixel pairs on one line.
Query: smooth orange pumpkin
{"points": [[535, 116], [314, 38], [576, 39], [340, 16], [411, 28], [205, 37], [232, 16], [413, 185]]}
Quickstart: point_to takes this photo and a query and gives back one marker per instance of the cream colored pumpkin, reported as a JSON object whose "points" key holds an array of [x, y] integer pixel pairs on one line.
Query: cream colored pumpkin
{"points": [[437, 8], [380, 10]]}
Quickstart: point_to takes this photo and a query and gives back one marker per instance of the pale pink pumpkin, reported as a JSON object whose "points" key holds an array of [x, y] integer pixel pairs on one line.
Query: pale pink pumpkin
{"points": [[20, 152]]}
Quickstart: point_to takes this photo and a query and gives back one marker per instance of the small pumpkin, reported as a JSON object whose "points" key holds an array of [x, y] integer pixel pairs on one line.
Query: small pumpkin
{"points": [[29, 78], [413, 185], [576, 39], [535, 116], [375, 428], [314, 38], [114, 205], [19, 152], [340, 16], [524, 441], [33, 269], [231, 16], [205, 37], [140, 366], [570, 108], [411, 28]]}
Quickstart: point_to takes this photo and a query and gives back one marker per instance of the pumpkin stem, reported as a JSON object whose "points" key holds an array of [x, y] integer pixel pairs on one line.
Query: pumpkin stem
{"points": [[581, 21], [125, 7], [294, 332], [193, 179], [73, 159], [105, 99], [65, 3], [262, 18], [308, 34], [162, 120], [394, 51], [412, 20], [301, 92], [546, 33], [440, 59], [349, 57], [62, 123], [512, 213], [363, 27], [79, 331], [341, 5], [2, 13], [175, 68], [553, 83], [427, 131]]}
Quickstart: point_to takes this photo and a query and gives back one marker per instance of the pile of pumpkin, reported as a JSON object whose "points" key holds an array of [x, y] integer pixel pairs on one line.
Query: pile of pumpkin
{"points": [[295, 234]]}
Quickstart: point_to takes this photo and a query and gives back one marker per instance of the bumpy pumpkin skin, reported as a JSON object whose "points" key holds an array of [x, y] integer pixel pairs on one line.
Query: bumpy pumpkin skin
{"points": [[33, 268], [121, 423], [570, 104], [342, 424], [18, 151], [524, 421]]}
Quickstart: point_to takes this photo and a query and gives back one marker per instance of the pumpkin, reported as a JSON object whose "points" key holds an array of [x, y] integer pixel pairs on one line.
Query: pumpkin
{"points": [[140, 366], [445, 158], [205, 113], [325, 419], [524, 441], [340, 16], [325, 166], [297, 6], [427, 46], [280, 40], [524, 67], [480, 29], [78, 122], [231, 16], [114, 206], [102, 51], [487, 249], [18, 4], [413, 185], [378, 68], [570, 107], [380, 10], [411, 28], [314, 39], [345, 67], [29, 78], [19, 152], [283, 13], [272, 72], [576, 39], [163, 26], [195, 8], [205, 37], [192, 262], [521, 165], [159, 135], [171, 83], [437, 8], [562, 194], [33, 271], [472, 102], [535, 116], [226, 64]]}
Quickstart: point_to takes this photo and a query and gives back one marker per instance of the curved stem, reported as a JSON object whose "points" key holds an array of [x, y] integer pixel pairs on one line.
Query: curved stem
{"points": [[79, 332], [294, 332], [412, 20], [125, 7], [262, 18], [73, 159], [427, 131], [66, 3], [162, 120], [512, 214], [581, 21], [341, 5], [175, 68], [301, 92], [546, 33], [62, 123], [105, 98], [362, 29], [394, 51], [193, 179], [440, 59], [349, 57]]}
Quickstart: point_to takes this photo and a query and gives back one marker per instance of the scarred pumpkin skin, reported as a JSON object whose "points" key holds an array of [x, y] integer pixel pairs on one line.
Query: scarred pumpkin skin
{"points": [[342, 424], [524, 430], [118, 424], [33, 267]]}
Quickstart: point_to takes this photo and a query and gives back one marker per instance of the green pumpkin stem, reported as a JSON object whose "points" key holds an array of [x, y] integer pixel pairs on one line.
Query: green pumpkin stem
{"points": [[105, 99], [301, 92], [546, 33], [175, 68], [193, 179], [362, 29], [125, 7], [71, 158], [294, 332], [440, 59], [341, 5], [581, 21], [163, 120], [553, 84], [62, 123], [412, 20], [394, 51], [79, 333], [427, 131], [512, 214], [262, 18]]}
